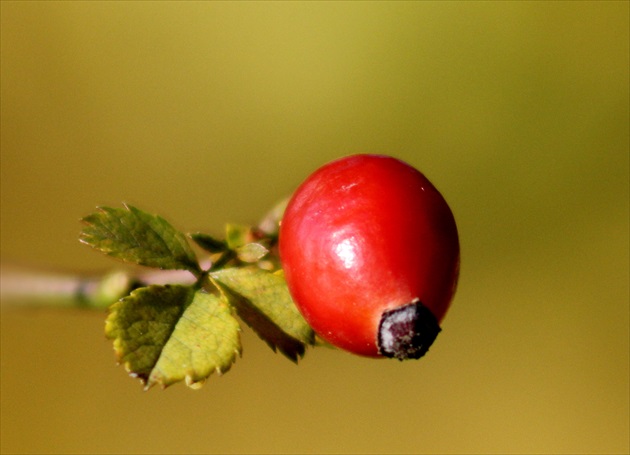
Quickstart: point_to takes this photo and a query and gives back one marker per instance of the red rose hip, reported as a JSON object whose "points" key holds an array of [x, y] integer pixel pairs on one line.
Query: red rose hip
{"points": [[370, 253]]}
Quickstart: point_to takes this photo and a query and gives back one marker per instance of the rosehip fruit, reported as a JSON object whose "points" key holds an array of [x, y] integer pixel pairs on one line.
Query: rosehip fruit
{"points": [[370, 253]]}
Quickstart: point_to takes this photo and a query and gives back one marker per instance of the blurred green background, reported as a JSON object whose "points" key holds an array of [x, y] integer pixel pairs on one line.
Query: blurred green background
{"points": [[211, 112]]}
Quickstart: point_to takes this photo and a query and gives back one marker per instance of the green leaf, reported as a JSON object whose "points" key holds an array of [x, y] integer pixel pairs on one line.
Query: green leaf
{"points": [[209, 243], [166, 334], [251, 252], [138, 237], [237, 235], [263, 301]]}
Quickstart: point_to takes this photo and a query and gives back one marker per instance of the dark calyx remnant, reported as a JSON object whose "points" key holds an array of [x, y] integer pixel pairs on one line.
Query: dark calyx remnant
{"points": [[407, 332]]}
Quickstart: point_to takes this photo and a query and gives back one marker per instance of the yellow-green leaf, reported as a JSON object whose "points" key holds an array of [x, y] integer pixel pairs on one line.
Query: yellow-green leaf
{"points": [[237, 235], [135, 236], [166, 334], [251, 252], [263, 301]]}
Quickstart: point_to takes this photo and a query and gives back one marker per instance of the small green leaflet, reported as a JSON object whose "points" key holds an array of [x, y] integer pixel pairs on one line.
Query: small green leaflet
{"points": [[138, 237], [237, 235], [251, 252], [166, 334], [208, 243], [263, 301]]}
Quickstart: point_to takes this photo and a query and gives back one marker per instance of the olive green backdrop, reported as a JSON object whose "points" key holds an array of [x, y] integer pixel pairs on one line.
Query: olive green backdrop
{"points": [[210, 112]]}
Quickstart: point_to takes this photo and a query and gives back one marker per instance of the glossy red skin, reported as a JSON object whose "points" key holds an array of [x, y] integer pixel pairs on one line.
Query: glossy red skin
{"points": [[362, 235]]}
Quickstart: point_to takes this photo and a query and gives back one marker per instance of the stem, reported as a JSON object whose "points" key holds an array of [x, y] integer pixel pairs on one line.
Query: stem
{"points": [[225, 258], [24, 286]]}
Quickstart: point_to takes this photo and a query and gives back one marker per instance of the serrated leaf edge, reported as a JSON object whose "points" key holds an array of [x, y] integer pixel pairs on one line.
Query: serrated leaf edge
{"points": [[189, 262], [111, 332]]}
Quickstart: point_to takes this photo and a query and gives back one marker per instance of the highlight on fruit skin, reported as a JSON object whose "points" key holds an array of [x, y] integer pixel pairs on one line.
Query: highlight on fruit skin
{"points": [[370, 252]]}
